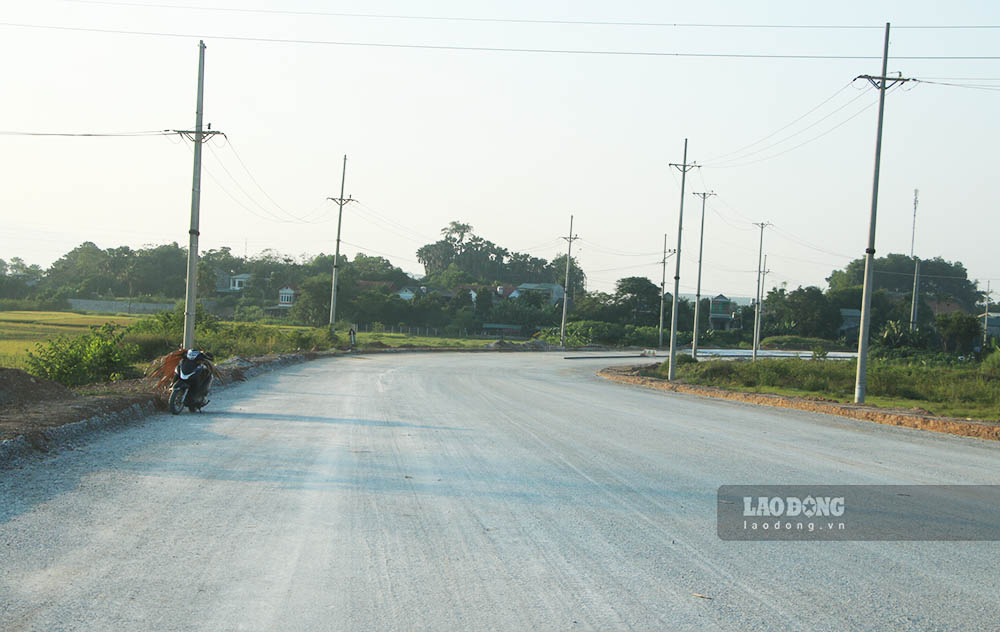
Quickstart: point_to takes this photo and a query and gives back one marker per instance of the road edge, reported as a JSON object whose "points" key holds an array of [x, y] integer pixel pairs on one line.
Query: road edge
{"points": [[70, 435], [945, 425]]}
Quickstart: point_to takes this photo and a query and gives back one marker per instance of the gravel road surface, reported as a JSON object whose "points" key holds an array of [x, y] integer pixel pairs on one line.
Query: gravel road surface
{"points": [[509, 491]]}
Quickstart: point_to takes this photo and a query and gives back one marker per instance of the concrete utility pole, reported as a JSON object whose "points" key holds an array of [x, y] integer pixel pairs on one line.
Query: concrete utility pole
{"points": [[916, 267], [986, 316], [760, 283], [881, 82], [684, 167], [663, 285], [569, 252], [197, 136], [697, 292], [341, 201]]}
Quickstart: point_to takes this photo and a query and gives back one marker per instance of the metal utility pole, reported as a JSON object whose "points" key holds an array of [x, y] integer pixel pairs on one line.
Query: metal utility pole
{"points": [[341, 201], [760, 283], [569, 252], [916, 267], [684, 167], [881, 82], [197, 136], [697, 292], [663, 285]]}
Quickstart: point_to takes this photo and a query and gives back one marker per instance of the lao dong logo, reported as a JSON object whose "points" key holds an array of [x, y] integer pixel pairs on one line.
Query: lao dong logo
{"points": [[792, 506]]}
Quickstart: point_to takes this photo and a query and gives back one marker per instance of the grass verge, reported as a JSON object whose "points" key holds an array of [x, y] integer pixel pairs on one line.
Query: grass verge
{"points": [[969, 391]]}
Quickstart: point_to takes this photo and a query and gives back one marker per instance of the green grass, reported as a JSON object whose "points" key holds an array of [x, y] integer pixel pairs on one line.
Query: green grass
{"points": [[20, 331], [801, 343], [397, 340], [966, 391]]}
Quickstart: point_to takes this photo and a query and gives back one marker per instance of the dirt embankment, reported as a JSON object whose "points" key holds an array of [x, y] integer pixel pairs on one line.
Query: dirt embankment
{"points": [[893, 417], [32, 407]]}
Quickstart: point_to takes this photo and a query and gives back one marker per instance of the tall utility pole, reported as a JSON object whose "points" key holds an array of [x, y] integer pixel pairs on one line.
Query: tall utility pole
{"points": [[197, 136], [916, 267], [684, 167], [697, 292], [881, 82], [986, 316], [663, 285], [341, 201], [760, 283], [569, 252]]}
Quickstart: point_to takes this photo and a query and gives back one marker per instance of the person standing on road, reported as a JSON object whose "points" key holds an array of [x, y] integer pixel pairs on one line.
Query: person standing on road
{"points": [[353, 336]]}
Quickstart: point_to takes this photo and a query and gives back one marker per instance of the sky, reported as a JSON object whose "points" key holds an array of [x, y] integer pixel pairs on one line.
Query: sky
{"points": [[512, 142]]}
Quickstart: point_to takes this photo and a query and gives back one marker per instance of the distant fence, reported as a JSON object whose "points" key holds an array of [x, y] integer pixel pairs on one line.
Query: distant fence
{"points": [[116, 307]]}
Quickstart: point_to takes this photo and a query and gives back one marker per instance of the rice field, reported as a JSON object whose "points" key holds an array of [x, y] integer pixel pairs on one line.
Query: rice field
{"points": [[19, 331]]}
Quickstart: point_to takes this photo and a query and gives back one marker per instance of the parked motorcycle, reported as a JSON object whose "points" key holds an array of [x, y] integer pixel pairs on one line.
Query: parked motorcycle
{"points": [[191, 383]]}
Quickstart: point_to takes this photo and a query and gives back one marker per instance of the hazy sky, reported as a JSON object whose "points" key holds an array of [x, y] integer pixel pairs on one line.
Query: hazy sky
{"points": [[510, 142]]}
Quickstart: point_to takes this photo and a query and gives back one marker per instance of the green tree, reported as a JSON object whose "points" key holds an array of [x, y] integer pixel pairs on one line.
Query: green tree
{"points": [[959, 332], [639, 300], [942, 280], [577, 278], [312, 304], [813, 313]]}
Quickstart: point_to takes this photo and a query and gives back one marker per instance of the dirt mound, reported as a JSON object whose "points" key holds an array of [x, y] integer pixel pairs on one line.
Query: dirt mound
{"points": [[17, 388], [376, 344]]}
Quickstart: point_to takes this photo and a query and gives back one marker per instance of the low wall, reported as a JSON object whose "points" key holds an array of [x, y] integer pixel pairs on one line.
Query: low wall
{"points": [[115, 307]]}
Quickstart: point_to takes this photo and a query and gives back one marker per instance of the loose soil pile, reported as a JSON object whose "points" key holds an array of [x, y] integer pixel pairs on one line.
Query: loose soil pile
{"points": [[17, 388]]}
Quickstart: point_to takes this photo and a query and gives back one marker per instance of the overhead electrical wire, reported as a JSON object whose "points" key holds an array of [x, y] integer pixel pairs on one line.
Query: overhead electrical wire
{"points": [[91, 134], [782, 128], [742, 156], [615, 252], [802, 144], [437, 18], [384, 254], [232, 147], [493, 49]]}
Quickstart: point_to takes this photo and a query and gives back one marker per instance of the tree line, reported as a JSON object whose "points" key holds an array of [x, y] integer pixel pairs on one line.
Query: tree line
{"points": [[462, 274]]}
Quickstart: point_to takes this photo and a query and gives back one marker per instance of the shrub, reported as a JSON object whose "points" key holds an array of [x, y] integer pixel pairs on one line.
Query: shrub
{"points": [[100, 355], [150, 345]]}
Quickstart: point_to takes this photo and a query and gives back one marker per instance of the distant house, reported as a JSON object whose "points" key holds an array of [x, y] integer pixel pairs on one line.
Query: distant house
{"points": [[231, 283], [850, 324], [722, 313], [286, 297], [504, 291], [553, 291], [993, 324], [409, 293]]}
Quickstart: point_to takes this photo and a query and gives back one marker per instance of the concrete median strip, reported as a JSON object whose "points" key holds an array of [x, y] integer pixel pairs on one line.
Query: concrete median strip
{"points": [[965, 428]]}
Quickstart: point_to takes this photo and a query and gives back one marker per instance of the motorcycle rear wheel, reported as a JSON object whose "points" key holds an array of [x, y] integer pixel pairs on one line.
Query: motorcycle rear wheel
{"points": [[176, 403]]}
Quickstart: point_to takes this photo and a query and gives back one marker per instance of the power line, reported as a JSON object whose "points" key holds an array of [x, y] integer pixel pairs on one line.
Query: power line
{"points": [[802, 144], [229, 143], [497, 49], [165, 132], [959, 85], [614, 252], [782, 128], [790, 136], [436, 18]]}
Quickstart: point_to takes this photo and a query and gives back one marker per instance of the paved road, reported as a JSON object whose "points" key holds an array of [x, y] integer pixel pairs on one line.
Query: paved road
{"points": [[471, 492]]}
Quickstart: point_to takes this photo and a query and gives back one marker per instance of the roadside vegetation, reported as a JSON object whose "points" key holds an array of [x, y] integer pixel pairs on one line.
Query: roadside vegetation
{"points": [[75, 349], [942, 384]]}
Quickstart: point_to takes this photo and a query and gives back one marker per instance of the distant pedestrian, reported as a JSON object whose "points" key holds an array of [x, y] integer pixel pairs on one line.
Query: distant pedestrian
{"points": [[353, 336]]}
